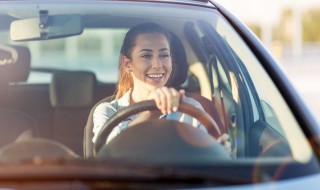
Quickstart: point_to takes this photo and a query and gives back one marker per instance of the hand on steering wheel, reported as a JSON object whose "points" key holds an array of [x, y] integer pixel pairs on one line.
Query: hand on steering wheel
{"points": [[167, 99]]}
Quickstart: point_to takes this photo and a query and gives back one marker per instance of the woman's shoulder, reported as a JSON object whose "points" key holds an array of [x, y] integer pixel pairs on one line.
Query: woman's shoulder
{"points": [[106, 107], [114, 105], [192, 101]]}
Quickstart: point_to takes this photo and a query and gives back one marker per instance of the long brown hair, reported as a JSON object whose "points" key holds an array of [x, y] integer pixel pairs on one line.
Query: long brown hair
{"points": [[125, 79]]}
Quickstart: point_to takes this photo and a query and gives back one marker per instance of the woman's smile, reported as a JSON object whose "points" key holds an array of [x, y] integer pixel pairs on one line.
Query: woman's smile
{"points": [[155, 76]]}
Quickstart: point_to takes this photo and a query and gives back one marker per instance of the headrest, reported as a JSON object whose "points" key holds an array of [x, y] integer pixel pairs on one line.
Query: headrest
{"points": [[4, 90], [72, 89], [180, 65], [15, 62]]}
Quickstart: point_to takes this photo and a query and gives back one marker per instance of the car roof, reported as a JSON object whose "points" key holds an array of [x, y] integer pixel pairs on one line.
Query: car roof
{"points": [[196, 2], [180, 1]]}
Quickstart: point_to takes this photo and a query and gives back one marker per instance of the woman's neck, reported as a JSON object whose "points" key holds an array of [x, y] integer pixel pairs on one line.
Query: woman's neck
{"points": [[138, 95]]}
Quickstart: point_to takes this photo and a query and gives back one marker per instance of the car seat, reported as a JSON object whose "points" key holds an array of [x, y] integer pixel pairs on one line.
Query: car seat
{"points": [[14, 124], [71, 96]]}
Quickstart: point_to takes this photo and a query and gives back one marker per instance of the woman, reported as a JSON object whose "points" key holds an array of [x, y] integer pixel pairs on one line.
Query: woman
{"points": [[145, 66]]}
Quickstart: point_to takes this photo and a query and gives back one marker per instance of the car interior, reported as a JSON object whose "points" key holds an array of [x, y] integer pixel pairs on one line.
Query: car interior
{"points": [[49, 110], [204, 65]]}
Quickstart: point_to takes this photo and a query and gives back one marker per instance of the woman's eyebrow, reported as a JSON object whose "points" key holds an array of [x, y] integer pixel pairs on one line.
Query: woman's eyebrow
{"points": [[148, 50], [164, 49]]}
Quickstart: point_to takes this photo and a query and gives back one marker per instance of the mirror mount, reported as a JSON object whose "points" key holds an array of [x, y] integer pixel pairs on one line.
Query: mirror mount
{"points": [[43, 16]]}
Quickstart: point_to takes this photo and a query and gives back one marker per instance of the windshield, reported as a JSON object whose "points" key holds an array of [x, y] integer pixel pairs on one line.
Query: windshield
{"points": [[60, 83]]}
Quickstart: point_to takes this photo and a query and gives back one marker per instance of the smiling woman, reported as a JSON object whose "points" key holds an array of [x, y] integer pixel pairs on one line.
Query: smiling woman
{"points": [[145, 47], [196, 102], [145, 67]]}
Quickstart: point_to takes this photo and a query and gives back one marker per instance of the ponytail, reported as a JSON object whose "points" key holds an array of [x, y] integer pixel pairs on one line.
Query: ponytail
{"points": [[125, 81]]}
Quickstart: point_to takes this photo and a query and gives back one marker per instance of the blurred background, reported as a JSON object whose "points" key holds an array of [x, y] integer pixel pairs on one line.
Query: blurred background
{"points": [[290, 30]]}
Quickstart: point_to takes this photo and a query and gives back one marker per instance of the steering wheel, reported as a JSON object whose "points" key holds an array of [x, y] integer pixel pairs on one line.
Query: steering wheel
{"points": [[184, 107]]}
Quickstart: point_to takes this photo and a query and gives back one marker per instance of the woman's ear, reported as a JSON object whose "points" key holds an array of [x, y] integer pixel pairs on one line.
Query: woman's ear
{"points": [[126, 63]]}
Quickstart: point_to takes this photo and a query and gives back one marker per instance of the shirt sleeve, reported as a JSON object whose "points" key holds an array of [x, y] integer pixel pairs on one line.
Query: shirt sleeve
{"points": [[101, 115]]}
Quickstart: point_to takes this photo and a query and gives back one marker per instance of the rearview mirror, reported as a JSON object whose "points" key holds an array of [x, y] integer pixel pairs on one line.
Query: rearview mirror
{"points": [[46, 27]]}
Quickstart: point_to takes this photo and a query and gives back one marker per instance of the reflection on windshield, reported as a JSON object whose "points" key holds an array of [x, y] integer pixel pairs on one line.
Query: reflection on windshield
{"points": [[43, 117]]}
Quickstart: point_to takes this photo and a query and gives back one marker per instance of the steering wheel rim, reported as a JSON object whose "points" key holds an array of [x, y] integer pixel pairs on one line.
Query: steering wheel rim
{"points": [[184, 107]]}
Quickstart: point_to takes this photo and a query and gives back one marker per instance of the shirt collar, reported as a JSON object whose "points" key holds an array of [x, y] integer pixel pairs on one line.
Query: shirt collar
{"points": [[124, 101]]}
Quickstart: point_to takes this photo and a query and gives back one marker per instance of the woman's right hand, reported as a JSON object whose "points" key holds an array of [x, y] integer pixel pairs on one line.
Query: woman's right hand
{"points": [[167, 99]]}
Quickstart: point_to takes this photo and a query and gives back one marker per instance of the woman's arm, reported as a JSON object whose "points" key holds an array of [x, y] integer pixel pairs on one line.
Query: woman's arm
{"points": [[101, 115]]}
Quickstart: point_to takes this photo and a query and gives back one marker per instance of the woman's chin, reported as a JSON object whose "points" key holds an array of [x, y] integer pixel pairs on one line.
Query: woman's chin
{"points": [[156, 84], [152, 87]]}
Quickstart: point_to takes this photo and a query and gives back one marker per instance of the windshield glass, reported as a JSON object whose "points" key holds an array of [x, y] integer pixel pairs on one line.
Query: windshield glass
{"points": [[61, 96]]}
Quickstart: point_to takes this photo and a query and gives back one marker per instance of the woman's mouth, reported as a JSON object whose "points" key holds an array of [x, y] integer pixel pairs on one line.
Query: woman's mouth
{"points": [[155, 76]]}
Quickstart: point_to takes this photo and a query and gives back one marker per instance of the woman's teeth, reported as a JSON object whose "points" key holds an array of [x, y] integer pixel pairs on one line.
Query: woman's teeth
{"points": [[155, 76]]}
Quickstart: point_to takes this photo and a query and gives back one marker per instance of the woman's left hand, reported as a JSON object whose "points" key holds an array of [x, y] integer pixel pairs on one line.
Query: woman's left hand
{"points": [[224, 139]]}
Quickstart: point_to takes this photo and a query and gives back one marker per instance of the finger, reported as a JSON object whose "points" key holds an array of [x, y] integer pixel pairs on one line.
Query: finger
{"points": [[155, 96], [182, 92], [168, 97], [224, 140], [175, 99], [227, 145], [163, 101], [223, 137]]}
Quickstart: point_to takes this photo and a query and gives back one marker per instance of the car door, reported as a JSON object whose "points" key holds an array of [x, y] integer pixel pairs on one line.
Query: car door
{"points": [[246, 111]]}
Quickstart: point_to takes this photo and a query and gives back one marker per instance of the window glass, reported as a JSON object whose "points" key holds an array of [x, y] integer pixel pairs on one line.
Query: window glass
{"points": [[96, 50], [270, 102]]}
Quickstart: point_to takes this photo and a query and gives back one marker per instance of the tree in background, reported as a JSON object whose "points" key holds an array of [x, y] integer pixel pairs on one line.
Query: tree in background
{"points": [[311, 25], [282, 31]]}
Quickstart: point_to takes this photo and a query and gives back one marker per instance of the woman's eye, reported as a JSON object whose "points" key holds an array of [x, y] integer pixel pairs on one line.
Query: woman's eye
{"points": [[146, 56], [164, 55]]}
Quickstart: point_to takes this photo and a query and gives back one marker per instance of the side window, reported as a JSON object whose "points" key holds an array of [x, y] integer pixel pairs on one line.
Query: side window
{"points": [[250, 104], [270, 116], [263, 105]]}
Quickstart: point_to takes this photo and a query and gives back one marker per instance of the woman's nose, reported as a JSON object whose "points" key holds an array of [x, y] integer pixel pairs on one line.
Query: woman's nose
{"points": [[156, 63]]}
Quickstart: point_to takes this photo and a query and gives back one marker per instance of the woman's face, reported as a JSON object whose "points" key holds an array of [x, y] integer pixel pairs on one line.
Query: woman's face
{"points": [[151, 62]]}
